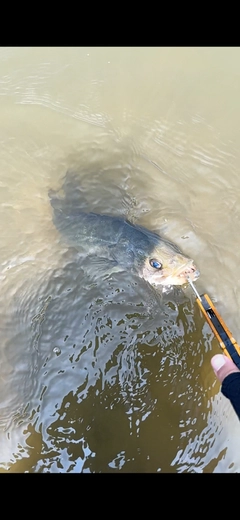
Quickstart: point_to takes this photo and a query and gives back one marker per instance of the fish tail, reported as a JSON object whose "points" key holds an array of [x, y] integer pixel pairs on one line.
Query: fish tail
{"points": [[69, 199], [72, 187]]}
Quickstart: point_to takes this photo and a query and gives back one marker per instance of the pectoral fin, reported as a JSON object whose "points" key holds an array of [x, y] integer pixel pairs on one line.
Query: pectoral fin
{"points": [[100, 267]]}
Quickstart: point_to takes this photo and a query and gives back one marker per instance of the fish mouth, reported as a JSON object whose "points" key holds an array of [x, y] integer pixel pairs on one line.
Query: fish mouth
{"points": [[189, 271], [179, 276]]}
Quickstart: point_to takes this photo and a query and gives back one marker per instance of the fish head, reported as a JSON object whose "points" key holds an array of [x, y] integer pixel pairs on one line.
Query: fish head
{"points": [[167, 265]]}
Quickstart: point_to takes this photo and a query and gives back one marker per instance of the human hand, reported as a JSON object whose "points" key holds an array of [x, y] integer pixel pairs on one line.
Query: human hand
{"points": [[223, 366], [229, 375]]}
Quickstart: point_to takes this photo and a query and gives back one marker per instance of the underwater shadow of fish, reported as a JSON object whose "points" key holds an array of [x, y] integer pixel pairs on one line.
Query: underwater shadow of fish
{"points": [[111, 244]]}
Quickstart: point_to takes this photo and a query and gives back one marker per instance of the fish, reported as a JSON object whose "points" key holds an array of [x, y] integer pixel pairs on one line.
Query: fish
{"points": [[116, 244]]}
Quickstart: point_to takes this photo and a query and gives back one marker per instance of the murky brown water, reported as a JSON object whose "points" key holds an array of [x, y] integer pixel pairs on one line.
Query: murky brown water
{"points": [[113, 376]]}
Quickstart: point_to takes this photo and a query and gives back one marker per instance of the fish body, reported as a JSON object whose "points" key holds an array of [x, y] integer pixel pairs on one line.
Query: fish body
{"points": [[122, 244]]}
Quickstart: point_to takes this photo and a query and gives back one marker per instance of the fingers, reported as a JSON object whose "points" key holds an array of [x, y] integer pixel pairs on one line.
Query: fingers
{"points": [[223, 366]]}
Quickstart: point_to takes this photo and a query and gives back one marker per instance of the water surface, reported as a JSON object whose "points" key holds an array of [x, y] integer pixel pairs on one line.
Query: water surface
{"points": [[111, 375]]}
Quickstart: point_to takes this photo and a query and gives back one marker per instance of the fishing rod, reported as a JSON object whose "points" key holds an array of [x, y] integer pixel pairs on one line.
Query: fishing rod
{"points": [[224, 336]]}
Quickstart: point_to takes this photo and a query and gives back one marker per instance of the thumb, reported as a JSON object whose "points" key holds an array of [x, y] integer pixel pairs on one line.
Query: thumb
{"points": [[223, 366]]}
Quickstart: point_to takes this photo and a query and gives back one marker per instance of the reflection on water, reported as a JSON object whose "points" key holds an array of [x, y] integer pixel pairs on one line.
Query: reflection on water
{"points": [[110, 358], [109, 375]]}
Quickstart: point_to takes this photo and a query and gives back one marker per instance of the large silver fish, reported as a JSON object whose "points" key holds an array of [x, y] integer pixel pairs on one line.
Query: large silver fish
{"points": [[119, 244]]}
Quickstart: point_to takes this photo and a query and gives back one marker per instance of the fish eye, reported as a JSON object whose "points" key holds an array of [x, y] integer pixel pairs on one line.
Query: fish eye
{"points": [[155, 263]]}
